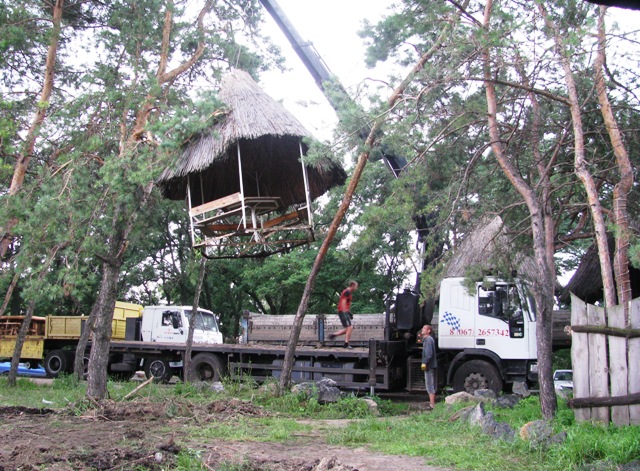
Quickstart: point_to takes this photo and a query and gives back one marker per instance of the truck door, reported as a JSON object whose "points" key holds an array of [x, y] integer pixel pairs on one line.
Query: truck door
{"points": [[501, 324], [456, 317], [168, 326]]}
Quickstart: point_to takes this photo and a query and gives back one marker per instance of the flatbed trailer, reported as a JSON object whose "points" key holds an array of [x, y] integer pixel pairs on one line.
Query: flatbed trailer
{"points": [[365, 367]]}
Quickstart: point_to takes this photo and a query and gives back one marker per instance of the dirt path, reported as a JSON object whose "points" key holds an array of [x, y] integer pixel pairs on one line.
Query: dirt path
{"points": [[145, 436]]}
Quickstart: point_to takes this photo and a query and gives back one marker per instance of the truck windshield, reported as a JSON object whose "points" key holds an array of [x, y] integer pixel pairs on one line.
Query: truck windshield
{"points": [[204, 321], [502, 301]]}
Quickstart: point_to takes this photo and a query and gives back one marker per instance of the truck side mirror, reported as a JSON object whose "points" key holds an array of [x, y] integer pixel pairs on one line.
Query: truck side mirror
{"points": [[175, 320]]}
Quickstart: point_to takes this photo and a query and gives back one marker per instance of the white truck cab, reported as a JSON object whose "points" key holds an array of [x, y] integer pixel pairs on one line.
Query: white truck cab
{"points": [[490, 334], [171, 324]]}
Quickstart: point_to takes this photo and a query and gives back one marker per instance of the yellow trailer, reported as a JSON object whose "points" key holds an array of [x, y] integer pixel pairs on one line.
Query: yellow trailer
{"points": [[57, 334]]}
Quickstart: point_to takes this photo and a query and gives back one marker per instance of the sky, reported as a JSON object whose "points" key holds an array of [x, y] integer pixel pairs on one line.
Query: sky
{"points": [[332, 26]]}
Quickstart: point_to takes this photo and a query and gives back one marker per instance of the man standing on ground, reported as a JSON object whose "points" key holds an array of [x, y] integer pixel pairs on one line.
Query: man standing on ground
{"points": [[344, 313], [429, 363]]}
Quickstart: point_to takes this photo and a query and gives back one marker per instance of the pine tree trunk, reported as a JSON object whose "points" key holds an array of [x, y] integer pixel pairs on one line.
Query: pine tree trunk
{"points": [[186, 363], [24, 158], [103, 314], [17, 351], [287, 365], [543, 281], [581, 165], [625, 184]]}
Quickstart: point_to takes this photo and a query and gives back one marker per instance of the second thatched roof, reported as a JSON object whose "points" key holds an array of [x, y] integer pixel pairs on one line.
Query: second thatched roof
{"points": [[487, 244], [269, 138]]}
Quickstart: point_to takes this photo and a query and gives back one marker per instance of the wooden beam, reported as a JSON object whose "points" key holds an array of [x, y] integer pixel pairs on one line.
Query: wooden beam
{"points": [[610, 331], [216, 204], [279, 220], [582, 402]]}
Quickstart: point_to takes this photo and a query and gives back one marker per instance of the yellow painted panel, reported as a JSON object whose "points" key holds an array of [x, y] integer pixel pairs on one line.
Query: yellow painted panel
{"points": [[124, 310], [64, 327], [31, 350], [118, 329]]}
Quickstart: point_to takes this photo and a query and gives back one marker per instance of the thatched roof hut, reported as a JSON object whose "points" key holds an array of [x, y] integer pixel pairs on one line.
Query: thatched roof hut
{"points": [[586, 282], [270, 146], [487, 244]]}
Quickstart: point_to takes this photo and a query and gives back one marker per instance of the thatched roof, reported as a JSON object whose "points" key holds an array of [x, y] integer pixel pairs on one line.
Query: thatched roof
{"points": [[484, 245], [586, 282], [269, 138]]}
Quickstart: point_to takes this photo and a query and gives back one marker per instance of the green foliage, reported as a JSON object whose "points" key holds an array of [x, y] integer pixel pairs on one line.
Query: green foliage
{"points": [[562, 359]]}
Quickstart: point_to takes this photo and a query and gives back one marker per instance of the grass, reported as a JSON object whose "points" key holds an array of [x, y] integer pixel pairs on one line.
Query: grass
{"points": [[433, 436]]}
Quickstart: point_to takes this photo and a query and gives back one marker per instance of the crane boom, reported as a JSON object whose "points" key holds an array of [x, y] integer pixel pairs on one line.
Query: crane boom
{"points": [[322, 76]]}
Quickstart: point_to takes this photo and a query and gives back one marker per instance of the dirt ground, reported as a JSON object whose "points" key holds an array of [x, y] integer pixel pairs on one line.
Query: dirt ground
{"points": [[147, 436]]}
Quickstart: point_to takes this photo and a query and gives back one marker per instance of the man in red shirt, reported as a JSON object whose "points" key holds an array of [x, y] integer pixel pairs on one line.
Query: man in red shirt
{"points": [[344, 313]]}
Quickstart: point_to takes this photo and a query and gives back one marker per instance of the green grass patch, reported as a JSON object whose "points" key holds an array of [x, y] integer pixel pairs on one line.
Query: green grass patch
{"points": [[272, 429]]}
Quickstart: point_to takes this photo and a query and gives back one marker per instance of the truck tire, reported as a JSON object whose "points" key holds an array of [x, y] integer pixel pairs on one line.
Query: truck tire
{"points": [[56, 362], [206, 367], [477, 374], [159, 368]]}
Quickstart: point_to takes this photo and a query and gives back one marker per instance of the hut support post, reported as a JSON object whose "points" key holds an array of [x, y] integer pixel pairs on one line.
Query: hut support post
{"points": [[305, 177], [191, 229], [244, 211]]}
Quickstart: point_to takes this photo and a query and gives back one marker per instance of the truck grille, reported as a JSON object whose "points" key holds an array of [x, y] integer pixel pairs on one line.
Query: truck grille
{"points": [[415, 376]]}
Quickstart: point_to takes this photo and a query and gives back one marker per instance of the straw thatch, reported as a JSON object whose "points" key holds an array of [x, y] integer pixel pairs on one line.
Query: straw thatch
{"points": [[269, 138], [586, 282], [483, 246]]}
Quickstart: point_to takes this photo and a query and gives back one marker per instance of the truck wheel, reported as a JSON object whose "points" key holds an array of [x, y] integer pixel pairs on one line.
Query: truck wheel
{"points": [[206, 367], [55, 363], [477, 374], [158, 368]]}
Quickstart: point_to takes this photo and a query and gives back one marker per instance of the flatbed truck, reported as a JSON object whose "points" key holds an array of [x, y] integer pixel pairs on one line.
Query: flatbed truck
{"points": [[485, 339]]}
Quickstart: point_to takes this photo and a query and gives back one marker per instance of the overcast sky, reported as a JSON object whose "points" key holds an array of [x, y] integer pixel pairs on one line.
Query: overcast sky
{"points": [[332, 26]]}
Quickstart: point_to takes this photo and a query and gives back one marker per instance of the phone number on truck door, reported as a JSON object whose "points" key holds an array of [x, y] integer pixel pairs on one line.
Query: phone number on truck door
{"points": [[493, 333]]}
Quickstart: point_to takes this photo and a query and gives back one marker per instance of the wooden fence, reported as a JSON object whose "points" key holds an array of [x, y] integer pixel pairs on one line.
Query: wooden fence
{"points": [[605, 352]]}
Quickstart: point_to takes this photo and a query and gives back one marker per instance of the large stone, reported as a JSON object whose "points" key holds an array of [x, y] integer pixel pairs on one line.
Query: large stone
{"points": [[327, 391], [521, 389], [306, 389], [478, 415], [371, 405], [459, 397], [485, 395], [540, 434], [485, 420], [324, 390], [508, 401]]}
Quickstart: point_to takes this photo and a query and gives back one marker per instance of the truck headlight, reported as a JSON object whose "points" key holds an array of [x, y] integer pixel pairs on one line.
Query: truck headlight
{"points": [[533, 367]]}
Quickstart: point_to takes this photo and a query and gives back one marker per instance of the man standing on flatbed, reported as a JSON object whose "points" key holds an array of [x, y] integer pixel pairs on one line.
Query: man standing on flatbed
{"points": [[344, 313]]}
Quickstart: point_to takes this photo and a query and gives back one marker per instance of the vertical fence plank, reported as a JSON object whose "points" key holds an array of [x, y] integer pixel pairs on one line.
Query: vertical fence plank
{"points": [[580, 357], [598, 364], [618, 365], [634, 361]]}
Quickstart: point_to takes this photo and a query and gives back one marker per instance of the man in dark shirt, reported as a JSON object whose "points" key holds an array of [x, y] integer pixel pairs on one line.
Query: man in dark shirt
{"points": [[344, 313], [429, 363]]}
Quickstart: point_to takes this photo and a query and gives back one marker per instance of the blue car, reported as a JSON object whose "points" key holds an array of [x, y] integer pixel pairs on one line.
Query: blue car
{"points": [[23, 370]]}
